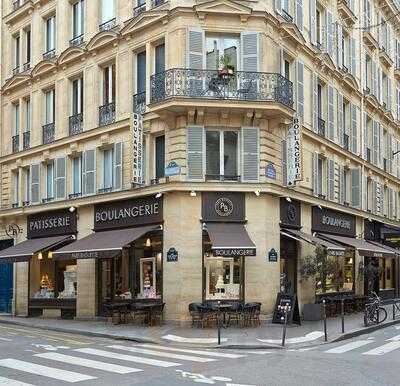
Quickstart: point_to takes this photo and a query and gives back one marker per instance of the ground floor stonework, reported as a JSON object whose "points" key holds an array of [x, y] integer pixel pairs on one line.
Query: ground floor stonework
{"points": [[179, 248]]}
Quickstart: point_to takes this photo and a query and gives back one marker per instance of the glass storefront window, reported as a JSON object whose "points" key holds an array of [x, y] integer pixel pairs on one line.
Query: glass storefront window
{"points": [[337, 275], [386, 273]]}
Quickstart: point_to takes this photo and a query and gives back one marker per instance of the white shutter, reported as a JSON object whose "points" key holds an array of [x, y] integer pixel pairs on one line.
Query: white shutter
{"points": [[366, 135], [117, 176], [331, 113], [342, 185], [315, 101], [315, 176], [331, 180], [89, 172], [278, 6], [398, 103], [339, 38], [389, 91], [390, 203], [364, 192], [299, 15], [389, 152], [380, 85], [354, 130], [250, 51], [329, 34], [356, 188], [353, 57], [250, 154], [313, 24], [375, 143], [35, 183], [195, 151], [300, 88], [381, 146], [60, 177], [340, 123], [284, 162], [195, 49]]}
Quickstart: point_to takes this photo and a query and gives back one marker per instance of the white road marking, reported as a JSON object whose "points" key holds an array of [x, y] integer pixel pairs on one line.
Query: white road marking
{"points": [[237, 384], [182, 339], [348, 347], [258, 352], [129, 358], [88, 363], [6, 340], [300, 339], [163, 354], [12, 382], [382, 350], [44, 371], [200, 352], [394, 339]]}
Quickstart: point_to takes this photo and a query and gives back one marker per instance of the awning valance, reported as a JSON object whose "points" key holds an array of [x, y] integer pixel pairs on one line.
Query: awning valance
{"points": [[26, 249], [105, 244], [230, 239], [332, 248], [364, 248], [391, 249]]}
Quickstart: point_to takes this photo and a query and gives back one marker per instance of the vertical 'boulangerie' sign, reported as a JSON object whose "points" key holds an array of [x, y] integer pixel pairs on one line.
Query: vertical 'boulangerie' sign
{"points": [[137, 137]]}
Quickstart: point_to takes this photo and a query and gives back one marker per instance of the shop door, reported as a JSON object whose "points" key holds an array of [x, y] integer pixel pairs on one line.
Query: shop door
{"points": [[371, 276], [288, 263], [6, 281], [106, 283]]}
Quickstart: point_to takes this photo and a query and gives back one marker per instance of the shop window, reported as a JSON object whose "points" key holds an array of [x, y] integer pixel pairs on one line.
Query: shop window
{"points": [[222, 148], [337, 274], [386, 273]]}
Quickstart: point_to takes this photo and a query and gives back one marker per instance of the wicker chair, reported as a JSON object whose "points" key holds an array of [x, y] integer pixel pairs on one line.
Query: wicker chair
{"points": [[195, 313]]}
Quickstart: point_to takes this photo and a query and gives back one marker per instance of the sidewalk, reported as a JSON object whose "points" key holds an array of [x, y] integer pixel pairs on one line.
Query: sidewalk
{"points": [[267, 336]]}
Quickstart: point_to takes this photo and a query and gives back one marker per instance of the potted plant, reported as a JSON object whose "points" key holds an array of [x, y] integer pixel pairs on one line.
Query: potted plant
{"points": [[227, 68]]}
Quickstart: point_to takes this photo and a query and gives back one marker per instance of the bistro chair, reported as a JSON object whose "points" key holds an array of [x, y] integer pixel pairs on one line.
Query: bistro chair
{"points": [[110, 312], [196, 314], [235, 314], [157, 313], [139, 314]]}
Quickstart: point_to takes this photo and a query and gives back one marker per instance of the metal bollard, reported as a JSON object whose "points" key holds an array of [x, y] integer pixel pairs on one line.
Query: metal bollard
{"points": [[219, 324], [342, 314], [394, 312], [285, 324], [325, 329]]}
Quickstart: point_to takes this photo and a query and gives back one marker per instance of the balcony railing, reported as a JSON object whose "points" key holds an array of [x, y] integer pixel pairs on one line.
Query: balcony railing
{"points": [[74, 195], [105, 190], [346, 142], [76, 41], [47, 199], [219, 177], [156, 3], [15, 143], [211, 84], [110, 24], [26, 66], [287, 16], [48, 133], [321, 127], [138, 10], [26, 203], [15, 70], [15, 205], [17, 4], [107, 114], [26, 140], [76, 124], [139, 103], [49, 54]]}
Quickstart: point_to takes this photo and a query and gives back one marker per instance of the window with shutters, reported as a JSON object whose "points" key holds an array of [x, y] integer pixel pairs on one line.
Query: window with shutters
{"points": [[385, 149], [319, 27], [356, 187], [221, 50], [222, 155], [368, 74], [49, 181], [89, 172], [346, 108], [386, 199], [345, 51], [76, 176], [346, 186], [369, 195], [35, 183]]}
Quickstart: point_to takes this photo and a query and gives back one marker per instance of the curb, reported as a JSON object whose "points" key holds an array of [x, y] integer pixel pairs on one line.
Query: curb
{"points": [[363, 331], [248, 347], [80, 332]]}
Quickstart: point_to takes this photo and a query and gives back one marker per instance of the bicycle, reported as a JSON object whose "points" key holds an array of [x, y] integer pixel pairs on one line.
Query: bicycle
{"points": [[374, 313]]}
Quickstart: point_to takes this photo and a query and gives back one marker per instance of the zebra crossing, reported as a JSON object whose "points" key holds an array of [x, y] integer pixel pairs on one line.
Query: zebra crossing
{"points": [[86, 363]]}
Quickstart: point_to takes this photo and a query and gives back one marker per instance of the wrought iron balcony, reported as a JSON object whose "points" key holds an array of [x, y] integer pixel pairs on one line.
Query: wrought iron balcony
{"points": [[321, 127], [76, 41], [49, 54], [26, 66], [48, 133], [26, 140], [107, 114], [345, 142], [47, 199], [138, 10], [75, 195], [110, 24], [156, 3], [17, 4], [15, 205], [15, 143], [219, 177], [15, 70], [105, 190], [214, 84], [139, 103], [288, 18], [76, 124], [26, 203]]}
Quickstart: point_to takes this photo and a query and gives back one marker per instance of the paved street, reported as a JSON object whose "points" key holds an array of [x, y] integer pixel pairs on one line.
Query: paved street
{"points": [[34, 357]]}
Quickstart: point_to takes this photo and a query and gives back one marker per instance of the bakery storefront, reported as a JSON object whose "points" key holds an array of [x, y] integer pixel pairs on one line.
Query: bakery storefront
{"points": [[226, 244], [52, 285], [340, 228], [127, 244]]}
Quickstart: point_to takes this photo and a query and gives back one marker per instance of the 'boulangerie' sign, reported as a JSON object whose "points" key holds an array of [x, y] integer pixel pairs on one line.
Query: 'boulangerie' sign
{"points": [[128, 213], [294, 160], [57, 223], [329, 221], [137, 140]]}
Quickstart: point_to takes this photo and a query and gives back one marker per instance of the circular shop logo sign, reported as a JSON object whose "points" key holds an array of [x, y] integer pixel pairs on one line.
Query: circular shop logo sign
{"points": [[223, 207], [291, 213]]}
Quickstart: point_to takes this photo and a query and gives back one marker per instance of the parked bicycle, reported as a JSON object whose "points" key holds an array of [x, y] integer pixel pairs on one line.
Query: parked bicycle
{"points": [[374, 313]]}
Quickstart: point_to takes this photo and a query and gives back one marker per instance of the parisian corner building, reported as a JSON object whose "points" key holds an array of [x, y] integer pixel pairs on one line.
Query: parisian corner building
{"points": [[196, 150]]}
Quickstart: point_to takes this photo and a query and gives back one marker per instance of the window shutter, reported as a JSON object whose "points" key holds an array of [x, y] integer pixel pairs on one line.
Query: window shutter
{"points": [[340, 123], [315, 102], [364, 192], [339, 35], [195, 151], [331, 180], [331, 113], [117, 177], [300, 88], [355, 187], [250, 51], [250, 153], [375, 143], [89, 172], [313, 24], [381, 146], [195, 49], [35, 183], [329, 34], [389, 152], [60, 178], [374, 76], [299, 15], [315, 174], [278, 6], [390, 203], [398, 104], [379, 86], [353, 57], [284, 162], [366, 136], [342, 185], [354, 144], [389, 91]]}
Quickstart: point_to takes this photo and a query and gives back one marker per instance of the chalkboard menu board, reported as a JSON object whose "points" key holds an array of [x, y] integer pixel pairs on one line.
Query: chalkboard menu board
{"points": [[289, 300]]}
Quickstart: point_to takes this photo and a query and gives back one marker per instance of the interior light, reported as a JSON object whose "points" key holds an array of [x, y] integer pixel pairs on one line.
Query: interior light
{"points": [[50, 255], [40, 256], [257, 193], [148, 242], [158, 195], [288, 199], [193, 193], [319, 207]]}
